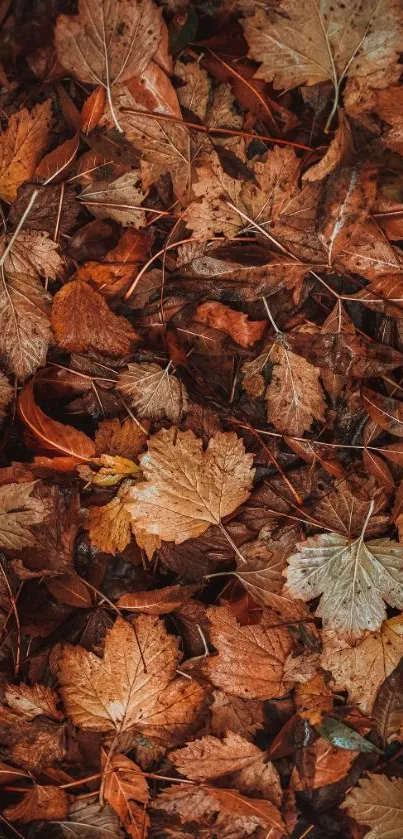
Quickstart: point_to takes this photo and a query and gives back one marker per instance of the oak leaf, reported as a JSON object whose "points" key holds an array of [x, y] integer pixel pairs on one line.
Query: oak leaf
{"points": [[326, 42], [19, 510], [377, 803], [24, 323], [131, 687], [359, 576], [22, 145], [126, 789], [153, 391], [194, 488], [82, 320], [40, 802], [251, 659], [105, 44], [361, 669]]}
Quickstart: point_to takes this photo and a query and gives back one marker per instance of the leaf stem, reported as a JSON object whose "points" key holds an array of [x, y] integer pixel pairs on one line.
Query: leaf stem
{"points": [[232, 543]]}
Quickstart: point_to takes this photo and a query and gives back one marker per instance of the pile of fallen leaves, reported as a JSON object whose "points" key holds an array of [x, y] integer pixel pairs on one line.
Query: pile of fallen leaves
{"points": [[201, 407]]}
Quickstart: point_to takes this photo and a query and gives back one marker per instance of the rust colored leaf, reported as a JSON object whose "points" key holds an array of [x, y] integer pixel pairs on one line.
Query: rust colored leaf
{"points": [[388, 706], [22, 145], [93, 109], [158, 602], [126, 789], [47, 803], [235, 324], [82, 320], [386, 411], [113, 276], [126, 439], [50, 434], [377, 803]]}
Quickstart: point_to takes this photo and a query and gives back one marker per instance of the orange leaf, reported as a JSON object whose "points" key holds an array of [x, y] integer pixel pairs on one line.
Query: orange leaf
{"points": [[235, 324], [50, 434], [93, 109]]}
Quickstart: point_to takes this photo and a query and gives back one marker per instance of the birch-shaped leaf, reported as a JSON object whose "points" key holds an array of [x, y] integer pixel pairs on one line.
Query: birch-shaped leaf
{"points": [[326, 40], [108, 42], [188, 489], [353, 579]]}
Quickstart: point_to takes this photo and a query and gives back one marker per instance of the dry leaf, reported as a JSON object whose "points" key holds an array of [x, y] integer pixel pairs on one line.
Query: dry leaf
{"points": [[82, 320], [339, 148], [33, 253], [85, 817], [296, 45], [159, 601], [128, 689], [125, 789], [194, 488], [388, 707], [31, 701], [105, 44], [313, 699], [46, 803], [232, 713], [113, 276], [51, 434], [377, 803], [110, 526], [235, 324], [330, 765], [6, 395], [210, 758], [24, 324], [361, 669], [250, 661], [119, 199], [22, 145], [153, 391], [19, 510], [353, 577]]}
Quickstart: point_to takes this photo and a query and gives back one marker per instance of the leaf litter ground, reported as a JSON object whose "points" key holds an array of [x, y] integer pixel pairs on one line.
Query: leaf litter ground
{"points": [[201, 407]]}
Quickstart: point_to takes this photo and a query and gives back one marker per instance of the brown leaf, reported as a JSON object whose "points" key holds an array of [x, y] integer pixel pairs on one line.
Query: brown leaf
{"points": [[113, 276], [116, 693], [93, 109], [330, 765], [56, 165], [387, 710], [313, 699], [119, 199], [46, 803], [19, 510], [110, 526], [210, 758], [22, 145], [339, 148], [362, 669], [250, 660], [51, 434], [159, 601], [153, 391], [377, 803], [24, 324], [386, 411], [131, 37], [193, 487], [33, 253], [125, 789], [232, 713], [347, 199], [31, 701], [6, 395], [235, 324], [125, 439], [81, 320]]}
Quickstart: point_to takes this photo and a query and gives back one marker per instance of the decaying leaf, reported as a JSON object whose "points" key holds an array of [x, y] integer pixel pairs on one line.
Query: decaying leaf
{"points": [[154, 392], [22, 145], [126, 439], [359, 576], [32, 253], [212, 484], [377, 803], [19, 510], [24, 323], [40, 802], [126, 790], [110, 525]]}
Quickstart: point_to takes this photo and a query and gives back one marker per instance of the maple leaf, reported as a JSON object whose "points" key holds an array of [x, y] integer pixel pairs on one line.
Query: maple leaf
{"points": [[19, 509], [105, 44], [81, 319], [33, 253], [250, 660], [353, 579], [110, 526], [361, 669], [119, 199], [130, 687], [24, 323], [326, 41], [194, 488], [22, 145], [125, 788], [377, 803], [154, 392], [46, 803], [294, 396]]}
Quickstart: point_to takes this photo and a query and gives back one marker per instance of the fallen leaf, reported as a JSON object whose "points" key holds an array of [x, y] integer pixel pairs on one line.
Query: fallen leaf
{"points": [[386, 411], [297, 46], [313, 699], [31, 701], [210, 758], [212, 484], [356, 575], [81, 320], [153, 391], [235, 324], [361, 669], [388, 706], [159, 601], [6, 395], [22, 145], [24, 324], [93, 109], [33, 253], [232, 713], [126, 439], [250, 660], [46, 803], [113, 276], [51, 434], [126, 789], [130, 37], [19, 510], [344, 737], [110, 526], [119, 199], [340, 147], [331, 765], [116, 693], [85, 817], [377, 803]]}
